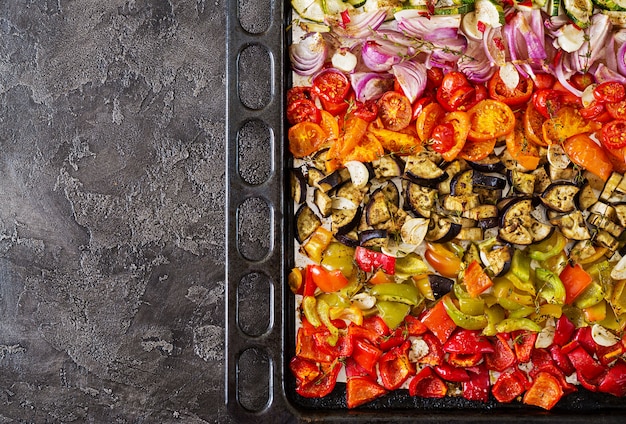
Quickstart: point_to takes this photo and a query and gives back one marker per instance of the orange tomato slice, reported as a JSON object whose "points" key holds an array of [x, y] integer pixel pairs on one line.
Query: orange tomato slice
{"points": [[461, 122], [521, 149], [305, 138], [533, 120], [490, 119], [566, 123]]}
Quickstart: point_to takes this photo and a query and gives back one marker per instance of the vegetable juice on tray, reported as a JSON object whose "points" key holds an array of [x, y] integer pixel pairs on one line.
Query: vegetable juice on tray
{"points": [[460, 198]]}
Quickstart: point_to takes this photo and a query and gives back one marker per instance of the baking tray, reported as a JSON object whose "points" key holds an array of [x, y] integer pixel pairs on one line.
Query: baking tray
{"points": [[260, 335]]}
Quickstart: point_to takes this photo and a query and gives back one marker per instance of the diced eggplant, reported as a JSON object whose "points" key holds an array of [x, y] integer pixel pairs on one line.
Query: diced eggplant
{"points": [[388, 166], [462, 221], [595, 181], [621, 187], [560, 196], [373, 238], [487, 223], [491, 163], [452, 169], [349, 191], [460, 203], [490, 182], [421, 170], [462, 183], [542, 180], [603, 222], [603, 238], [470, 234], [581, 250], [346, 220], [620, 213], [442, 229], [604, 209], [330, 181], [488, 196], [391, 192], [420, 200], [314, 175], [509, 162], [609, 187], [522, 182], [320, 157], [376, 210], [562, 174], [440, 285], [497, 260], [572, 225], [350, 239], [518, 226], [306, 222], [471, 254], [481, 212], [323, 202], [297, 184], [585, 197]]}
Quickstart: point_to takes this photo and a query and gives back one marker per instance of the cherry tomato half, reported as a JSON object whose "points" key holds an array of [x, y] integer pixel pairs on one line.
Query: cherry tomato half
{"points": [[454, 91], [430, 116], [298, 93], [547, 101], [490, 119], [442, 260], [331, 85], [395, 111], [614, 134], [442, 137], [434, 77], [543, 81], [617, 109], [582, 80], [305, 138], [609, 92], [367, 111], [460, 121], [474, 151], [303, 110], [592, 110]]}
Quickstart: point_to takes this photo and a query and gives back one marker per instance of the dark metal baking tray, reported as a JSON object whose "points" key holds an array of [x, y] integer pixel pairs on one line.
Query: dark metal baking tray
{"points": [[259, 307]]}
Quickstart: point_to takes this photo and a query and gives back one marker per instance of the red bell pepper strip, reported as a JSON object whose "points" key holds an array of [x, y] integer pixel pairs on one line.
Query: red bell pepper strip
{"points": [[366, 355], [451, 373], [361, 390], [614, 381], [465, 360], [563, 331], [608, 354], [545, 391], [561, 359], [396, 338], [523, 344], [360, 332], [304, 370], [427, 384], [468, 342], [413, 326], [435, 351], [508, 387], [370, 260], [353, 369], [502, 357], [307, 347], [323, 384], [575, 279], [377, 325], [585, 365], [309, 285], [584, 338], [436, 319], [477, 388], [394, 366]]}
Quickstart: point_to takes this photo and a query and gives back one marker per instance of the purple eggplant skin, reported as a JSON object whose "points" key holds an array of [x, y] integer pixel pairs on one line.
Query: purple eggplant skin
{"points": [[490, 164], [440, 285], [369, 238]]}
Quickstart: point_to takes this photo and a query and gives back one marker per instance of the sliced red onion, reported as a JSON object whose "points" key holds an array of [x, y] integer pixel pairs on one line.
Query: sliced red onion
{"points": [[494, 46], [475, 64], [308, 56], [416, 25], [395, 37], [370, 85], [597, 35], [361, 24], [621, 59], [559, 71], [379, 56], [412, 78], [604, 73], [448, 45]]}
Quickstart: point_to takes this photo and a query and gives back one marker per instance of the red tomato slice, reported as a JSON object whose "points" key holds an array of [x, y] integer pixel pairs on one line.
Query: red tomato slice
{"points": [[434, 77], [442, 137], [614, 135], [430, 116], [593, 110], [367, 111], [454, 91], [461, 123], [617, 109], [303, 110], [305, 138], [582, 80], [427, 384], [533, 121], [331, 85], [395, 111], [299, 93], [543, 81], [547, 101], [609, 92]]}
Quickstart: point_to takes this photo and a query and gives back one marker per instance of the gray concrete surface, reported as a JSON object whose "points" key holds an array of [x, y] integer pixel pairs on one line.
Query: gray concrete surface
{"points": [[111, 210]]}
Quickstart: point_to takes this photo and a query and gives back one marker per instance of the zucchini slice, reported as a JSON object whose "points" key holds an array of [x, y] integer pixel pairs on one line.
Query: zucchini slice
{"points": [[579, 11], [309, 9]]}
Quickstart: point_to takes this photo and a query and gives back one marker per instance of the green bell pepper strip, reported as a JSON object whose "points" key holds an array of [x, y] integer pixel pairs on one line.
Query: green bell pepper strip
{"points": [[469, 322], [523, 285], [494, 314], [323, 311], [513, 324], [551, 287], [591, 296], [411, 264], [309, 309], [522, 312], [520, 265], [460, 292], [392, 292], [334, 300], [472, 306], [393, 313], [547, 248]]}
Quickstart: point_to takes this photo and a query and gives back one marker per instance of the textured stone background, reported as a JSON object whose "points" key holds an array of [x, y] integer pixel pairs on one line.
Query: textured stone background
{"points": [[111, 210]]}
